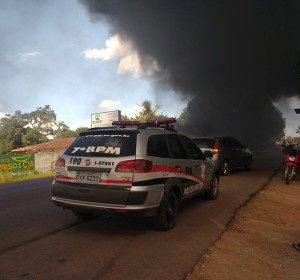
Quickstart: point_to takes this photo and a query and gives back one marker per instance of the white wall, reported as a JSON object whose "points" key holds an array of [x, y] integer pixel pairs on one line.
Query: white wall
{"points": [[45, 162]]}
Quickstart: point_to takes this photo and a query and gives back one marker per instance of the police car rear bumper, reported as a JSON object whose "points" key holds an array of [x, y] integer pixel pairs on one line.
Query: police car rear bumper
{"points": [[95, 208], [142, 201]]}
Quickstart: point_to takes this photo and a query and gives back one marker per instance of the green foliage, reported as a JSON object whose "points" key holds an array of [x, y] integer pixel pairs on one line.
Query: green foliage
{"points": [[11, 131], [42, 119], [33, 136], [126, 118], [67, 132], [9, 177], [148, 112], [79, 130], [25, 129], [183, 116]]}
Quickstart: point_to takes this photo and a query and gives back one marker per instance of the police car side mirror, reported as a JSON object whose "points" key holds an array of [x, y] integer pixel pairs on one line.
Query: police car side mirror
{"points": [[208, 154]]}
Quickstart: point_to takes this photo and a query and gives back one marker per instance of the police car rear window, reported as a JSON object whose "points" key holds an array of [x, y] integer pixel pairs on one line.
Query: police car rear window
{"points": [[103, 145], [157, 146]]}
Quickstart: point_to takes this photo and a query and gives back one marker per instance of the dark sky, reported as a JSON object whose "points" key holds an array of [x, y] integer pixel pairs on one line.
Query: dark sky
{"points": [[234, 58]]}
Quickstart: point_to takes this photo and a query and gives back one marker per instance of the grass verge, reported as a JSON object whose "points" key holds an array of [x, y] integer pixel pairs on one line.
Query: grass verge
{"points": [[10, 177]]}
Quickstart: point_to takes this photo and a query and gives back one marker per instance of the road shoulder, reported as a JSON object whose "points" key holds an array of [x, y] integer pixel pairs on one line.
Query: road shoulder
{"points": [[257, 243]]}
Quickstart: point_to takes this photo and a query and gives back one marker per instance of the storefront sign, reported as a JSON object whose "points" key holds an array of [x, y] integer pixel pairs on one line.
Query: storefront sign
{"points": [[17, 163], [105, 119]]}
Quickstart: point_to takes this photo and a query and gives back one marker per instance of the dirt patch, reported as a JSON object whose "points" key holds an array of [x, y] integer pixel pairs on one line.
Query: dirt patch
{"points": [[257, 243]]}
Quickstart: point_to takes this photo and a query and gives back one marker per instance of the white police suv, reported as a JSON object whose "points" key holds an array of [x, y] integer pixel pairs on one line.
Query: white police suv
{"points": [[147, 170]]}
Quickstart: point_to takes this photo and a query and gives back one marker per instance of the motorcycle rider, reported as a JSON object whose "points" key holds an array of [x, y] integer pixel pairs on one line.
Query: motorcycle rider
{"points": [[290, 151]]}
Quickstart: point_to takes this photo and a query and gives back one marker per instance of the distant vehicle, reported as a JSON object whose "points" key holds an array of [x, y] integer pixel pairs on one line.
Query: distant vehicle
{"points": [[228, 153], [147, 170], [291, 162]]}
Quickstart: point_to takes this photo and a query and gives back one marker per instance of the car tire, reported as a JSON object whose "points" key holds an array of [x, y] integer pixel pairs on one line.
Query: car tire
{"points": [[213, 191], [288, 174], [166, 219], [248, 165], [224, 168]]}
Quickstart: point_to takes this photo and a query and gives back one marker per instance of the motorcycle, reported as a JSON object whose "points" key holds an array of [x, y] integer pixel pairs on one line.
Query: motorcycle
{"points": [[291, 163]]}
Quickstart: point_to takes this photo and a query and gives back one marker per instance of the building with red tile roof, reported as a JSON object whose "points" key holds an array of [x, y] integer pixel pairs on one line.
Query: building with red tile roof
{"points": [[56, 145]]}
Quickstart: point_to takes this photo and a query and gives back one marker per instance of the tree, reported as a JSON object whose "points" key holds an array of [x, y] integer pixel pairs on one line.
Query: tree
{"points": [[80, 129], [11, 131], [126, 118], [67, 133], [27, 129], [62, 131], [183, 116], [148, 112], [33, 136], [44, 119]]}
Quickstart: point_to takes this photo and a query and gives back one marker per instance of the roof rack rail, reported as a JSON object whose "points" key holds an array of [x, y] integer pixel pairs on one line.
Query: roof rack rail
{"points": [[99, 127], [163, 123]]}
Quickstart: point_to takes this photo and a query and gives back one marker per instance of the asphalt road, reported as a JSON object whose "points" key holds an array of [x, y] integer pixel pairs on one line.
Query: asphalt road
{"points": [[40, 241]]}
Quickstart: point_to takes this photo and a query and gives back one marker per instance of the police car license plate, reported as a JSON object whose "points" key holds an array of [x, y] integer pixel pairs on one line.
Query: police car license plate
{"points": [[88, 177]]}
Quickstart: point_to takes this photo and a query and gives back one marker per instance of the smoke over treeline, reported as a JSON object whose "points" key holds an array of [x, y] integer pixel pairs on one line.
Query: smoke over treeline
{"points": [[234, 58]]}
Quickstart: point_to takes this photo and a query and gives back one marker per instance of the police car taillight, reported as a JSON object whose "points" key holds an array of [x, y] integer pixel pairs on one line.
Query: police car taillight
{"points": [[60, 162], [141, 165], [138, 165], [216, 148]]}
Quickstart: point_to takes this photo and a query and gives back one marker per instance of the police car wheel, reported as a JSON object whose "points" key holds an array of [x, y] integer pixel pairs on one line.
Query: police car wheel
{"points": [[166, 219], [213, 192]]}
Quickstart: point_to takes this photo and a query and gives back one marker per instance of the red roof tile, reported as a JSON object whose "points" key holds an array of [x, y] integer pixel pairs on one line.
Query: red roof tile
{"points": [[51, 145]]}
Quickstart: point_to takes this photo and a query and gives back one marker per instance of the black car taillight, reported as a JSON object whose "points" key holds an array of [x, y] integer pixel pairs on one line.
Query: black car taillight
{"points": [[138, 165], [216, 148]]}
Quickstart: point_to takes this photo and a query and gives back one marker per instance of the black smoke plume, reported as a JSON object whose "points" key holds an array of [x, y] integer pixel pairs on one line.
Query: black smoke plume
{"points": [[234, 58]]}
